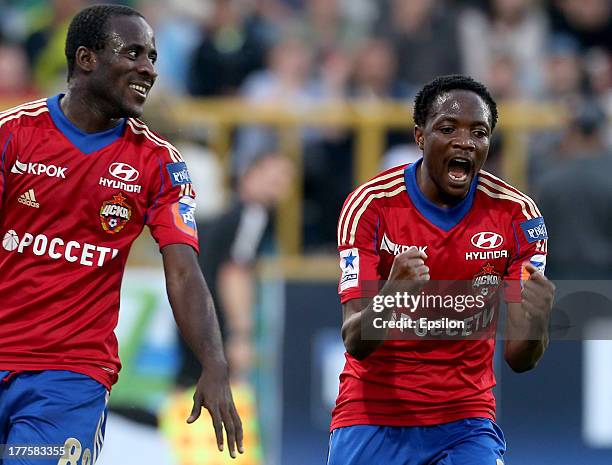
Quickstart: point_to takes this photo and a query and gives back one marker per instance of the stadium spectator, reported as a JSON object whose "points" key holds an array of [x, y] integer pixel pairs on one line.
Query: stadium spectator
{"points": [[268, 19], [229, 246], [565, 79], [67, 157], [325, 26], [565, 84], [228, 50], [589, 22], [598, 66], [368, 74], [177, 25], [375, 78], [14, 22], [503, 78], [334, 73], [424, 35], [15, 72], [287, 79], [575, 194], [45, 45], [375, 73], [326, 152], [512, 28]]}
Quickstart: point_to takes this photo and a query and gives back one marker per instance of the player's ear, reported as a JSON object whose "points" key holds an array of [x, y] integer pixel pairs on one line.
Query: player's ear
{"points": [[418, 136], [86, 59]]}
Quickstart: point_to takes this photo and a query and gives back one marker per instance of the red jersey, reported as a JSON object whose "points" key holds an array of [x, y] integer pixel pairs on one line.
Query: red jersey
{"points": [[481, 241], [72, 204]]}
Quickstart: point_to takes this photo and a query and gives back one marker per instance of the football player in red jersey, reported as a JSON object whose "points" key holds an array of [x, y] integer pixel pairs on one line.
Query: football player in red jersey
{"points": [[427, 399], [80, 177]]}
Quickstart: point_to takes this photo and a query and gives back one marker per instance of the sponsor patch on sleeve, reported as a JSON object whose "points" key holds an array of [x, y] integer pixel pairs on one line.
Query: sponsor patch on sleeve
{"points": [[349, 264], [178, 173], [539, 261], [534, 229], [184, 215]]}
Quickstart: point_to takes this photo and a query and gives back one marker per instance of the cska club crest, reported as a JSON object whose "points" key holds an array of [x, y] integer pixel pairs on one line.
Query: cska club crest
{"points": [[114, 214], [486, 281]]}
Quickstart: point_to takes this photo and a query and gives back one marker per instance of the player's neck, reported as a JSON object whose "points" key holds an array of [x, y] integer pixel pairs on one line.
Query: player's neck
{"points": [[85, 112]]}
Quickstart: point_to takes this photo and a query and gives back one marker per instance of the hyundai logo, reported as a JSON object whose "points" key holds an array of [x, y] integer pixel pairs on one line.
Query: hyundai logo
{"points": [[487, 240], [123, 171]]}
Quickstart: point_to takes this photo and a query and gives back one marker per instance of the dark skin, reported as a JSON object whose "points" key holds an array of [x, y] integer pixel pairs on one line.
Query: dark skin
{"points": [[195, 316], [106, 86], [99, 93], [457, 126]]}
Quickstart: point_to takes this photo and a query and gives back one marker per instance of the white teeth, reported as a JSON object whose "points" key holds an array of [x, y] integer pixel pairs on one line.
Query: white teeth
{"points": [[140, 89], [458, 178]]}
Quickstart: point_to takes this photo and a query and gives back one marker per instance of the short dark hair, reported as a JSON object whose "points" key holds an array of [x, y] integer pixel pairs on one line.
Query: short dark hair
{"points": [[442, 84], [88, 28]]}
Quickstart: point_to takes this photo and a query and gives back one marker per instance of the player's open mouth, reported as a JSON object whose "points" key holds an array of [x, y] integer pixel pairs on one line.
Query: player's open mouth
{"points": [[459, 170], [140, 90]]}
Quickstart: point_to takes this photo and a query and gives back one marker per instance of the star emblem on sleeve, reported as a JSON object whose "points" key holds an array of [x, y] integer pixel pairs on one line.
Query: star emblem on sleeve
{"points": [[349, 259]]}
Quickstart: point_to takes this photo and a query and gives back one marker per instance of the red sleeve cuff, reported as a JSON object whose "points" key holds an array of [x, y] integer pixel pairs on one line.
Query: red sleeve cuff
{"points": [[512, 291]]}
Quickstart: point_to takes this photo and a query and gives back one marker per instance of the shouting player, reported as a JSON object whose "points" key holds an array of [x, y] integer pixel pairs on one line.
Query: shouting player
{"points": [[411, 401], [80, 178]]}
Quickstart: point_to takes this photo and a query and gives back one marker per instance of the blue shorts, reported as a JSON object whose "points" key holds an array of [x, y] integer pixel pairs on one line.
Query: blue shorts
{"points": [[51, 418], [473, 441]]}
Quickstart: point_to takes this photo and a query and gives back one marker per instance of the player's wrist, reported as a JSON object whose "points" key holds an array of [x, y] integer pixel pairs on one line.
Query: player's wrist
{"points": [[215, 365], [537, 326]]}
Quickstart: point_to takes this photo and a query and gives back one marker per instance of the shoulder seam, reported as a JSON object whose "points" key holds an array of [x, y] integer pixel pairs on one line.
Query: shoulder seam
{"points": [[359, 194], [28, 105], [354, 222], [502, 186], [140, 128], [505, 196], [4, 118], [137, 124], [541, 245]]}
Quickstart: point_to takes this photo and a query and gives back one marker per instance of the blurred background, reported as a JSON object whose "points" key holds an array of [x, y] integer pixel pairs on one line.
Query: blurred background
{"points": [[281, 107]]}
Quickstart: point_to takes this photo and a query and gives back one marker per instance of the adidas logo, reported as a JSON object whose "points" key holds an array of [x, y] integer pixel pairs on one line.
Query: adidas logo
{"points": [[28, 198]]}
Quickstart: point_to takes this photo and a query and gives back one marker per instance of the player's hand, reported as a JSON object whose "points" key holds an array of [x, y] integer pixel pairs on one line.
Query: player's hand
{"points": [[537, 295], [214, 394], [410, 266]]}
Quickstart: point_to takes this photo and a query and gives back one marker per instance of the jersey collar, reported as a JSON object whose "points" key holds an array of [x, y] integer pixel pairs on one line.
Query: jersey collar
{"points": [[444, 218], [85, 142]]}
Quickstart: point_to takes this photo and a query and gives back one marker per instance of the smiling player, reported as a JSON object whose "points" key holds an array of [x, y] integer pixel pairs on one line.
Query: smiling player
{"points": [[80, 178], [430, 401]]}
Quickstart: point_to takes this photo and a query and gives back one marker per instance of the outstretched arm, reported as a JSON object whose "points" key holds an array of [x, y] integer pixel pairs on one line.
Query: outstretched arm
{"points": [[195, 316], [527, 323]]}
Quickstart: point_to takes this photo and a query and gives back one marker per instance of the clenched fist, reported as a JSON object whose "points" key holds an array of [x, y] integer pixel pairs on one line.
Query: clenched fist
{"points": [[410, 266], [537, 295]]}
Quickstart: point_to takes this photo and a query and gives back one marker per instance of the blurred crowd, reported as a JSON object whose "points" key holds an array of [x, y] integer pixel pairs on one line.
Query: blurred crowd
{"points": [[306, 51]]}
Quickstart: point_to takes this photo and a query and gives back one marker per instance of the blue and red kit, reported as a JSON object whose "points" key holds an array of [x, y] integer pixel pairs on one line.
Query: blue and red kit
{"points": [[71, 205], [483, 241]]}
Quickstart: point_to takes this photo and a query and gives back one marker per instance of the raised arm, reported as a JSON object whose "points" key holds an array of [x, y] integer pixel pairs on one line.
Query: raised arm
{"points": [[407, 275], [195, 316], [526, 334]]}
